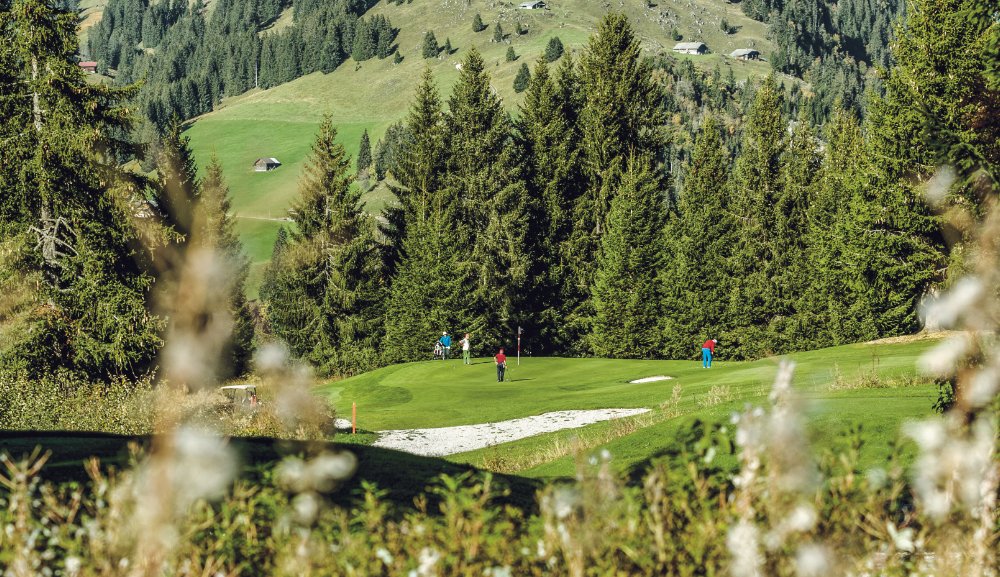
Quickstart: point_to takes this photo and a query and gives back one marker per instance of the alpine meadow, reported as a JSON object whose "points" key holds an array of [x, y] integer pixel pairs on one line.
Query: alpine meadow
{"points": [[469, 287]]}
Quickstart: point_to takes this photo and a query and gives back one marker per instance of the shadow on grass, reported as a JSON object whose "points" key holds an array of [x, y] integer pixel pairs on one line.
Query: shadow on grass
{"points": [[405, 476]]}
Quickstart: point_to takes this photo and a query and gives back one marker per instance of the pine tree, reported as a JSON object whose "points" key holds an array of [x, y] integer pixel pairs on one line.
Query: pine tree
{"points": [[477, 23], [364, 153], [511, 55], [498, 35], [698, 238], [447, 49], [626, 292], [753, 266], [430, 49], [217, 231], [73, 234], [522, 79], [554, 49], [483, 176]]}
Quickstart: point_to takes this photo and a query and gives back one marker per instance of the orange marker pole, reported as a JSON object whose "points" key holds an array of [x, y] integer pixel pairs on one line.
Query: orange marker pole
{"points": [[354, 418]]}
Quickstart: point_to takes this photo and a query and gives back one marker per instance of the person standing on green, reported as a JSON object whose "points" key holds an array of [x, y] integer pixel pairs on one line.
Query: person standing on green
{"points": [[707, 352], [501, 361], [466, 350], [445, 341]]}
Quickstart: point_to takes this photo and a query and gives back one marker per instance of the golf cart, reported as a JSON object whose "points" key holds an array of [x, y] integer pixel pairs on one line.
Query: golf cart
{"points": [[242, 397]]}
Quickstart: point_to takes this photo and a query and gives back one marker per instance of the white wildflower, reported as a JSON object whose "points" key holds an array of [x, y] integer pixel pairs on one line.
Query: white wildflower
{"points": [[937, 187], [709, 455], [428, 560], [566, 500], [877, 477], [929, 435], [73, 565], [742, 542], [812, 561], [327, 470], [983, 387], [803, 518], [504, 571], [942, 359], [306, 507], [207, 463], [902, 540], [383, 555], [944, 311]]}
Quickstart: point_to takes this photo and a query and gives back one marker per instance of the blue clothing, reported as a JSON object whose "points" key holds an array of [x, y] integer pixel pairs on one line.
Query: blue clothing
{"points": [[446, 340], [706, 357]]}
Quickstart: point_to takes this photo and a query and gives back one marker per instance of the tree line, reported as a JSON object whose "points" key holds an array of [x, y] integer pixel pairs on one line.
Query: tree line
{"points": [[190, 58], [580, 221], [781, 236]]}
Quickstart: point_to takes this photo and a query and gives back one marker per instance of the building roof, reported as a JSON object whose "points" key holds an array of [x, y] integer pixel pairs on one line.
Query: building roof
{"points": [[689, 45], [531, 4], [743, 52], [88, 63], [268, 160]]}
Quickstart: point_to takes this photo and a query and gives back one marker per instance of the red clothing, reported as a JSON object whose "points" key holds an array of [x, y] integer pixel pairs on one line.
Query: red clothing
{"points": [[500, 358], [710, 345]]}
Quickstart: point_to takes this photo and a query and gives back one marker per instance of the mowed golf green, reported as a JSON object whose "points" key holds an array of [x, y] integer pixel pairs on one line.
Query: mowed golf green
{"points": [[446, 393]]}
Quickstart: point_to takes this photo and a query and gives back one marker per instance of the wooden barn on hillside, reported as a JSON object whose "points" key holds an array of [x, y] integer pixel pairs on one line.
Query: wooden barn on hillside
{"points": [[690, 48], [266, 164], [745, 54]]}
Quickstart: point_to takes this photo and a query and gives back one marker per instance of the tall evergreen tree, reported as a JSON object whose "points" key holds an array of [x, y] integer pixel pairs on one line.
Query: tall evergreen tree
{"points": [[364, 152], [626, 292], [753, 265], [217, 231], [620, 117], [421, 164], [326, 296], [699, 236], [498, 35], [832, 309], [554, 49], [73, 229], [477, 23], [522, 79], [483, 176], [548, 139], [430, 48]]}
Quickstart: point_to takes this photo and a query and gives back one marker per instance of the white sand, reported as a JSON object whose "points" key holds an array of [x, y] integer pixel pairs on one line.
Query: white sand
{"points": [[450, 440], [651, 379]]}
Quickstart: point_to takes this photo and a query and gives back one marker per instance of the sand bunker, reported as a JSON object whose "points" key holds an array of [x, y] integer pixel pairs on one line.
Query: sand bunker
{"points": [[651, 379], [450, 440]]}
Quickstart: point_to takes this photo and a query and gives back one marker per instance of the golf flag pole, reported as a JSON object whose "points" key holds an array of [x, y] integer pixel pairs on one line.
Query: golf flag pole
{"points": [[519, 331]]}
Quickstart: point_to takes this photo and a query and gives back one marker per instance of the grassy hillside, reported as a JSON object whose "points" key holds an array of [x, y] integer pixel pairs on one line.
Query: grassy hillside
{"points": [[371, 95], [856, 385]]}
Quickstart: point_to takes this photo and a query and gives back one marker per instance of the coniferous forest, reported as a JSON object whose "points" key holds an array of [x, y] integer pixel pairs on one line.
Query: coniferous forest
{"points": [[631, 208]]}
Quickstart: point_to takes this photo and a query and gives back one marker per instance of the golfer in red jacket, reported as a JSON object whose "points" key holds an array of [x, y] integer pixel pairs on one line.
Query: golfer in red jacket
{"points": [[501, 360], [707, 350]]}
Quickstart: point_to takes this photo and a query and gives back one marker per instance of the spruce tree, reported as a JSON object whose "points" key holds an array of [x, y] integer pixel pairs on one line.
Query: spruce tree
{"points": [[421, 163], [430, 47], [554, 49], [511, 55], [698, 239], [483, 174], [217, 231], [799, 166], [477, 23], [522, 79], [548, 139], [447, 49], [753, 264], [832, 309], [364, 153], [498, 35], [73, 231], [626, 292], [620, 116]]}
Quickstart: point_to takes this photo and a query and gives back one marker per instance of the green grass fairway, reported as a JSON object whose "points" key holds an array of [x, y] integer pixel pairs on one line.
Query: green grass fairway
{"points": [[437, 394], [282, 121]]}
